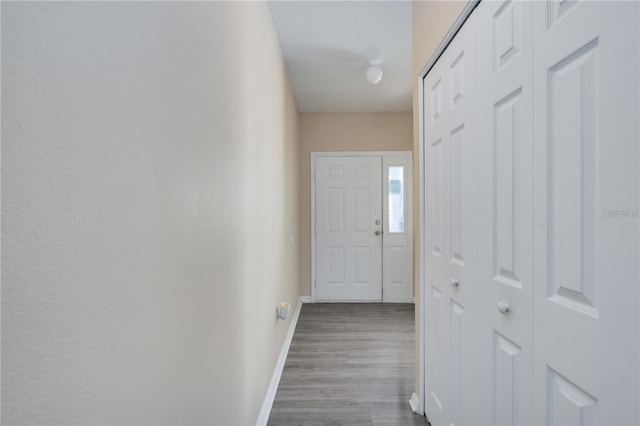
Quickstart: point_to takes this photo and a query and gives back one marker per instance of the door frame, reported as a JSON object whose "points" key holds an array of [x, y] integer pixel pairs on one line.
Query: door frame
{"points": [[418, 398], [385, 155]]}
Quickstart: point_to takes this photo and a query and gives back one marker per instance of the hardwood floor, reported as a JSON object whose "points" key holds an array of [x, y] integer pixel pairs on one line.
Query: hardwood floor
{"points": [[349, 364]]}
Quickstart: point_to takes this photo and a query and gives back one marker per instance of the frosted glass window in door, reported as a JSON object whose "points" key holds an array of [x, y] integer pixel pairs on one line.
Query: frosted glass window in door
{"points": [[396, 199]]}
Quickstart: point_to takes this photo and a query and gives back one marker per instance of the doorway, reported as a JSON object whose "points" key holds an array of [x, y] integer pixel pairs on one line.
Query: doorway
{"points": [[361, 227]]}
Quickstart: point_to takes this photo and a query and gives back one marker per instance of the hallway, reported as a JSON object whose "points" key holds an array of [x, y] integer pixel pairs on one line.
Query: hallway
{"points": [[349, 364]]}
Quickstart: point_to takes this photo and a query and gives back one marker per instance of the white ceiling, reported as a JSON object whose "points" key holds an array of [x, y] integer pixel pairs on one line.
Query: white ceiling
{"points": [[327, 46]]}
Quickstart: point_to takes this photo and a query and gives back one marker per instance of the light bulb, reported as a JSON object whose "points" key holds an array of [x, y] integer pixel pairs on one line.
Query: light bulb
{"points": [[374, 74]]}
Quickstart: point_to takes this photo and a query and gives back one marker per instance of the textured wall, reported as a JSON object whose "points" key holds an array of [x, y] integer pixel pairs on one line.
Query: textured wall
{"points": [[377, 131], [149, 192]]}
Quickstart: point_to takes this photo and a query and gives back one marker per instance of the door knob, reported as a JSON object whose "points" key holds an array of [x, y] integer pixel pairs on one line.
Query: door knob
{"points": [[454, 283], [503, 307], [378, 222], [377, 232]]}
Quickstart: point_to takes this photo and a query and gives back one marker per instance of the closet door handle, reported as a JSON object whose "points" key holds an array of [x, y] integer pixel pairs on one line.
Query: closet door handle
{"points": [[503, 307], [454, 283]]}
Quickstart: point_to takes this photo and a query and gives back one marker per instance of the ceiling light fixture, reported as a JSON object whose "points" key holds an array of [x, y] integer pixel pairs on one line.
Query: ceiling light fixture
{"points": [[374, 72]]}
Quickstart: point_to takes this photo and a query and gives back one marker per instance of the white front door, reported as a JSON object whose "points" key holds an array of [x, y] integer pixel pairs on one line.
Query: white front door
{"points": [[348, 228]]}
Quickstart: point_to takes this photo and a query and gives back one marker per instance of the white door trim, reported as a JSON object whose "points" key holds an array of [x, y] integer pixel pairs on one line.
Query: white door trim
{"points": [[421, 296], [386, 155]]}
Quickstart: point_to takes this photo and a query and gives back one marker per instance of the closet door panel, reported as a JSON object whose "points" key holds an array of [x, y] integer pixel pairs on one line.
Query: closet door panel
{"points": [[505, 211], [586, 164], [449, 96], [437, 351]]}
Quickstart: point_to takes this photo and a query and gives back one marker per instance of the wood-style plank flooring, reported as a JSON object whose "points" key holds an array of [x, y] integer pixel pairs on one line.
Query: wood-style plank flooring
{"points": [[349, 364]]}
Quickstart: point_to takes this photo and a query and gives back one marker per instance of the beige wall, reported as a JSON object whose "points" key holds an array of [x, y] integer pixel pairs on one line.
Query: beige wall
{"points": [[431, 22], [377, 131], [149, 191]]}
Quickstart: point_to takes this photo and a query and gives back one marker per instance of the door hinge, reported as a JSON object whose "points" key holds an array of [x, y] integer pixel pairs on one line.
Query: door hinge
{"points": [[315, 284]]}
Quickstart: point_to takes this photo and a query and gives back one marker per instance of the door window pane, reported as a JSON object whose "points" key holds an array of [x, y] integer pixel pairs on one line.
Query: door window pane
{"points": [[396, 199]]}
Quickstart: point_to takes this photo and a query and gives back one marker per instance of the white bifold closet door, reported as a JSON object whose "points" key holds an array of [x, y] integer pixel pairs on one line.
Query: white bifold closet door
{"points": [[504, 377], [586, 166], [450, 193], [532, 235]]}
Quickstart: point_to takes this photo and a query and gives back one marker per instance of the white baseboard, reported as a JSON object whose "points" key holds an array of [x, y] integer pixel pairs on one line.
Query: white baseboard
{"points": [[414, 402], [398, 300], [265, 411]]}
